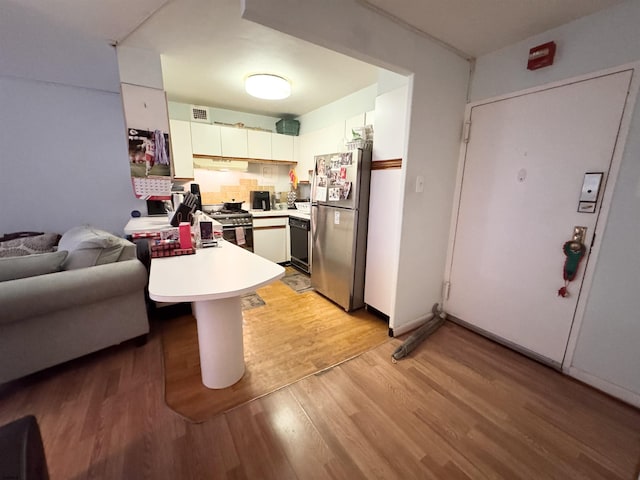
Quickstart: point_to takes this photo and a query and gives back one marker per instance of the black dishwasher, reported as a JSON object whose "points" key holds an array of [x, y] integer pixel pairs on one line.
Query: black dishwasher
{"points": [[299, 233]]}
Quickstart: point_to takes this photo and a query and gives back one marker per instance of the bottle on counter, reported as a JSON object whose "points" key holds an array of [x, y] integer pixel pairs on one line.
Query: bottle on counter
{"points": [[291, 199]]}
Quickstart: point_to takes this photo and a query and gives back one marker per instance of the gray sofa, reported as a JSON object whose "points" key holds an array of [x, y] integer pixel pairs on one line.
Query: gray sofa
{"points": [[56, 306]]}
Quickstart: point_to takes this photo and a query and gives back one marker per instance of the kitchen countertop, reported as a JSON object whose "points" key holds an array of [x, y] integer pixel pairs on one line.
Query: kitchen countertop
{"points": [[189, 278], [279, 213], [299, 214], [155, 223], [146, 224]]}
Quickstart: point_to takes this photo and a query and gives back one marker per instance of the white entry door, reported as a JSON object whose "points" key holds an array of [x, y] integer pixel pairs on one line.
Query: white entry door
{"points": [[523, 174]]}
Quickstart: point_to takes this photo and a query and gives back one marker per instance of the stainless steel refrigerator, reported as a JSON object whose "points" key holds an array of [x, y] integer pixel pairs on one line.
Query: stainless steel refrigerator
{"points": [[339, 217]]}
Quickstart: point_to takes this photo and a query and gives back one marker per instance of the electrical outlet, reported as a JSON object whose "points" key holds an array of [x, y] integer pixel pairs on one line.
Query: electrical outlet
{"points": [[419, 184]]}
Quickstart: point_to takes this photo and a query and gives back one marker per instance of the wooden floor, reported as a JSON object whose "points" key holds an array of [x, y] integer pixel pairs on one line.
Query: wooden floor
{"points": [[293, 335], [459, 407]]}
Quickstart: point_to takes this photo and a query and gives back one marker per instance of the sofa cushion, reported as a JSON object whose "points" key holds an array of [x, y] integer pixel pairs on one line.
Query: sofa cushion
{"points": [[89, 246], [43, 243], [12, 268]]}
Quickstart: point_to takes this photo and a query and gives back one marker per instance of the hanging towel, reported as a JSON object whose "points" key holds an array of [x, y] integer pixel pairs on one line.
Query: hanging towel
{"points": [[161, 151], [240, 240]]}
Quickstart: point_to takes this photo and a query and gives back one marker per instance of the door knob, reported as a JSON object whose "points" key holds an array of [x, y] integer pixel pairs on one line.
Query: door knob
{"points": [[575, 251]]}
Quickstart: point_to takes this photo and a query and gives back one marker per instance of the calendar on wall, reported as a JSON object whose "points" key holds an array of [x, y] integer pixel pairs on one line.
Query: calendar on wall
{"points": [[152, 188], [150, 164]]}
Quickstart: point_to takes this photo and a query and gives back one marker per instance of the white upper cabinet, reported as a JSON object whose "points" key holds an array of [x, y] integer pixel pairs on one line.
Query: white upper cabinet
{"points": [[282, 147], [234, 142], [221, 141], [181, 156], [145, 108], [205, 139], [259, 144]]}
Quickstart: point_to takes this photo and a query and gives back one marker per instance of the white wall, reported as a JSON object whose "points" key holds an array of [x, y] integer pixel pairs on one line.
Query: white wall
{"points": [[595, 42], [64, 157], [439, 92], [389, 81], [358, 102], [140, 67], [607, 345]]}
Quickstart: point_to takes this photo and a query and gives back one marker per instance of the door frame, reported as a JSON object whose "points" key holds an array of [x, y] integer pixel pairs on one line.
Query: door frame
{"points": [[607, 194]]}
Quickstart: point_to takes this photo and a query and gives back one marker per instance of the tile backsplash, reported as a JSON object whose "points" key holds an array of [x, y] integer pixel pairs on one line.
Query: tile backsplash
{"points": [[238, 193], [219, 187]]}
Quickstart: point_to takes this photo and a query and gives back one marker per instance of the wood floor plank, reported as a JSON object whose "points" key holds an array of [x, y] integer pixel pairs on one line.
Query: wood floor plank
{"points": [[260, 453], [459, 407], [282, 345], [433, 418], [301, 442], [562, 410], [339, 430]]}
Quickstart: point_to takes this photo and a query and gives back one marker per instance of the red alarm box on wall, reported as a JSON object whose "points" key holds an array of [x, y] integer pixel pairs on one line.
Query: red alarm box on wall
{"points": [[541, 56]]}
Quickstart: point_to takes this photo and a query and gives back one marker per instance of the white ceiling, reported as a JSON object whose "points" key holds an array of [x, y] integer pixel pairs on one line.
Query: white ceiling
{"points": [[207, 49], [476, 27]]}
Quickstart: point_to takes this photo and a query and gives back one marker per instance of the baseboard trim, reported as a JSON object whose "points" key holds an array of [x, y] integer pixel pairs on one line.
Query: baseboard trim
{"points": [[376, 312], [524, 351], [616, 391], [407, 327]]}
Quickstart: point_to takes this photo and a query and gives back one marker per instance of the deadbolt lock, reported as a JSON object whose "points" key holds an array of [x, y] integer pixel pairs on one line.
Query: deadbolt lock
{"points": [[579, 234]]}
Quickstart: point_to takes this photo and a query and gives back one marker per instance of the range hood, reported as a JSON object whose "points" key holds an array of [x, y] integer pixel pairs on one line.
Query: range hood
{"points": [[221, 164]]}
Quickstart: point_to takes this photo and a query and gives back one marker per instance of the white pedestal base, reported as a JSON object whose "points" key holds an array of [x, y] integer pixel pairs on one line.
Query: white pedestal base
{"points": [[220, 341]]}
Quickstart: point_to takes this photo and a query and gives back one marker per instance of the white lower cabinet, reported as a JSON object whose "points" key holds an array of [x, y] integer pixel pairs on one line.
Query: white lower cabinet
{"points": [[270, 237]]}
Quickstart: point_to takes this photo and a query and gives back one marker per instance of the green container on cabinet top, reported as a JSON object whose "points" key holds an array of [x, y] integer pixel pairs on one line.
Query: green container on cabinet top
{"points": [[288, 126]]}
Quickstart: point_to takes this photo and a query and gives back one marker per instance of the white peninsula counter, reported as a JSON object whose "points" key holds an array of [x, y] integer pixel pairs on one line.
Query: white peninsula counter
{"points": [[213, 280]]}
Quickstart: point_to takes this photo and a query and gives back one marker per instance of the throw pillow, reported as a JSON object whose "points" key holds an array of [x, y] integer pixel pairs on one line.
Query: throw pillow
{"points": [[89, 246], [24, 266], [29, 245], [14, 235]]}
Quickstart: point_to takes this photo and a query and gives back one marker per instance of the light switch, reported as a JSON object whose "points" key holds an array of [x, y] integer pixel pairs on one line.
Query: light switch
{"points": [[419, 184]]}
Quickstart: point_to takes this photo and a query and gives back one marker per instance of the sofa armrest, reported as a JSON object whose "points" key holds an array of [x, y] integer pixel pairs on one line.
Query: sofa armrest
{"points": [[27, 297]]}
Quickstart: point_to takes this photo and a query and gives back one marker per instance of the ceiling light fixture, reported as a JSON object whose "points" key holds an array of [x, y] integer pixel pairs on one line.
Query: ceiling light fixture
{"points": [[267, 86]]}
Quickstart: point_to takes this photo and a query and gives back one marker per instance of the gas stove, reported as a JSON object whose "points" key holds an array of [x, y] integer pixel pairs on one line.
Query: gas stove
{"points": [[232, 218], [237, 226]]}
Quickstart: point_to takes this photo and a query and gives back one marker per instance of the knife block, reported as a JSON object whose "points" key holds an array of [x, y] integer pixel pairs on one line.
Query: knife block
{"points": [[182, 214]]}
